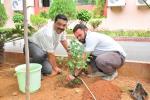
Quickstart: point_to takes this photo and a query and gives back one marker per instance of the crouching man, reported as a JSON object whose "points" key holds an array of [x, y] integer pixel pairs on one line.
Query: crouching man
{"points": [[106, 54], [43, 43]]}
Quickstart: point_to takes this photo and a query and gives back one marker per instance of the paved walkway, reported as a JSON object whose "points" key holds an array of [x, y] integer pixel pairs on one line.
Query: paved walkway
{"points": [[139, 51]]}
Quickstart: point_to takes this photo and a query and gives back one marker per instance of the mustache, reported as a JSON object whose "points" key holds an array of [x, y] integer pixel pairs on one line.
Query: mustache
{"points": [[61, 29]]}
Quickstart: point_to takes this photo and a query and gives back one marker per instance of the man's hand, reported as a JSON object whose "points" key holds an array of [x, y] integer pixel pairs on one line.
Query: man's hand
{"points": [[52, 59], [77, 72], [70, 77], [56, 70]]}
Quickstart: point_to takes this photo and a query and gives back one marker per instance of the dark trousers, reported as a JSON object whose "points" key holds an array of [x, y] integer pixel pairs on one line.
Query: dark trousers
{"points": [[37, 55], [107, 62]]}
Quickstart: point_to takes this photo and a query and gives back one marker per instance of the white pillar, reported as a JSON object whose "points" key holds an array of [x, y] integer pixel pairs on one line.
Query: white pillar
{"points": [[30, 9]]}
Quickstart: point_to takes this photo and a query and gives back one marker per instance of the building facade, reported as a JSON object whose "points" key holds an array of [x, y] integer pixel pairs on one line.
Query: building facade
{"points": [[127, 15]]}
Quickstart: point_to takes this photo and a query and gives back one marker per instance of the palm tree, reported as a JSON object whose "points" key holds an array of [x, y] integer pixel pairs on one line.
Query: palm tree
{"points": [[5, 35]]}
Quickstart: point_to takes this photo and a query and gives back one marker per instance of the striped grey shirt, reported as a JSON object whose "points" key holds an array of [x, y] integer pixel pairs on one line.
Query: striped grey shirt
{"points": [[47, 38]]}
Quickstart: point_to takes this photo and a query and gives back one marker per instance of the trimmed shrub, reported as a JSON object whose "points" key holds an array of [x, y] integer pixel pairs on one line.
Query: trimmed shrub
{"points": [[67, 7], [122, 33], [83, 15], [95, 22], [19, 27], [18, 18], [3, 15]]}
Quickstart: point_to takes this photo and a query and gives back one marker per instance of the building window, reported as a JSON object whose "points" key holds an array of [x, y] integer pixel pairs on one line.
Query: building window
{"points": [[45, 3]]}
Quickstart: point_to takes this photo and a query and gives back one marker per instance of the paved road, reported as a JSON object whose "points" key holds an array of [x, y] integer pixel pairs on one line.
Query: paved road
{"points": [[139, 51]]}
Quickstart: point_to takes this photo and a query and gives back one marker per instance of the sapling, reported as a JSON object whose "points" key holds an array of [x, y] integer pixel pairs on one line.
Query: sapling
{"points": [[76, 61]]}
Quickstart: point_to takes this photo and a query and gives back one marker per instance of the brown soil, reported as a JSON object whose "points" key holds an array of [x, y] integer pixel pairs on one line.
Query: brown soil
{"points": [[103, 90], [52, 90]]}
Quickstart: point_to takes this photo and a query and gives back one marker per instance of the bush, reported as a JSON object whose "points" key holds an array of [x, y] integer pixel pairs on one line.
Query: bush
{"points": [[3, 15], [38, 21], [18, 18], [76, 61], [19, 27], [6, 34], [83, 15], [44, 14], [95, 22], [66, 7]]}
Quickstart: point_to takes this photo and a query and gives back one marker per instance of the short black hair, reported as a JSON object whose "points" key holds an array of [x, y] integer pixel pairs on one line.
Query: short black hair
{"points": [[79, 26], [61, 16]]}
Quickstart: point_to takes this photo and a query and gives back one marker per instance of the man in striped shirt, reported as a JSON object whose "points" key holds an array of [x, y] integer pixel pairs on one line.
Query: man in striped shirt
{"points": [[44, 42]]}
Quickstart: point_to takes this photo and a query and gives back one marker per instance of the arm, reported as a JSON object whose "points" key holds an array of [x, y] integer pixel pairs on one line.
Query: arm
{"points": [[65, 44], [52, 60]]}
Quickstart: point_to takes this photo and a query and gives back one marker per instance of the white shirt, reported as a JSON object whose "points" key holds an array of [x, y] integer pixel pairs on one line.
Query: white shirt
{"points": [[47, 38], [97, 43]]}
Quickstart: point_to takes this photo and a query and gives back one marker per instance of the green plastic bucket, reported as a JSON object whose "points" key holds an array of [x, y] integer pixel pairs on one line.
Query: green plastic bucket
{"points": [[35, 77]]}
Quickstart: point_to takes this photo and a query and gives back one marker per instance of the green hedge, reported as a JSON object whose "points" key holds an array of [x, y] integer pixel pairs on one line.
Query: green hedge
{"points": [[127, 33], [121, 33]]}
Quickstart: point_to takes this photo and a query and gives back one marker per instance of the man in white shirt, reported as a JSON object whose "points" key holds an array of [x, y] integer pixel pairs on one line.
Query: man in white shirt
{"points": [[43, 43], [106, 54]]}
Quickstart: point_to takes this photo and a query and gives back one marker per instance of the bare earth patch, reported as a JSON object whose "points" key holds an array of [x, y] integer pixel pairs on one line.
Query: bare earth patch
{"points": [[103, 90], [52, 90]]}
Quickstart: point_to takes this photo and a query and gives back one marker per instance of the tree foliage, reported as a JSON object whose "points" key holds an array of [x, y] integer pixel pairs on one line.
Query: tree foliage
{"points": [[98, 11], [67, 7], [3, 15]]}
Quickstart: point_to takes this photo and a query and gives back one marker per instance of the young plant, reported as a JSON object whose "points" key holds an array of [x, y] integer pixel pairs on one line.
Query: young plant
{"points": [[76, 61]]}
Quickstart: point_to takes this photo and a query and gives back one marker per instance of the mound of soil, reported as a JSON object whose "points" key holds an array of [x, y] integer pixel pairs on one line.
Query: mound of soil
{"points": [[103, 90]]}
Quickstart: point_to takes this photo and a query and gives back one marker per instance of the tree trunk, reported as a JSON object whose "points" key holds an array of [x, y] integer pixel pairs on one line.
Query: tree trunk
{"points": [[1, 52]]}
